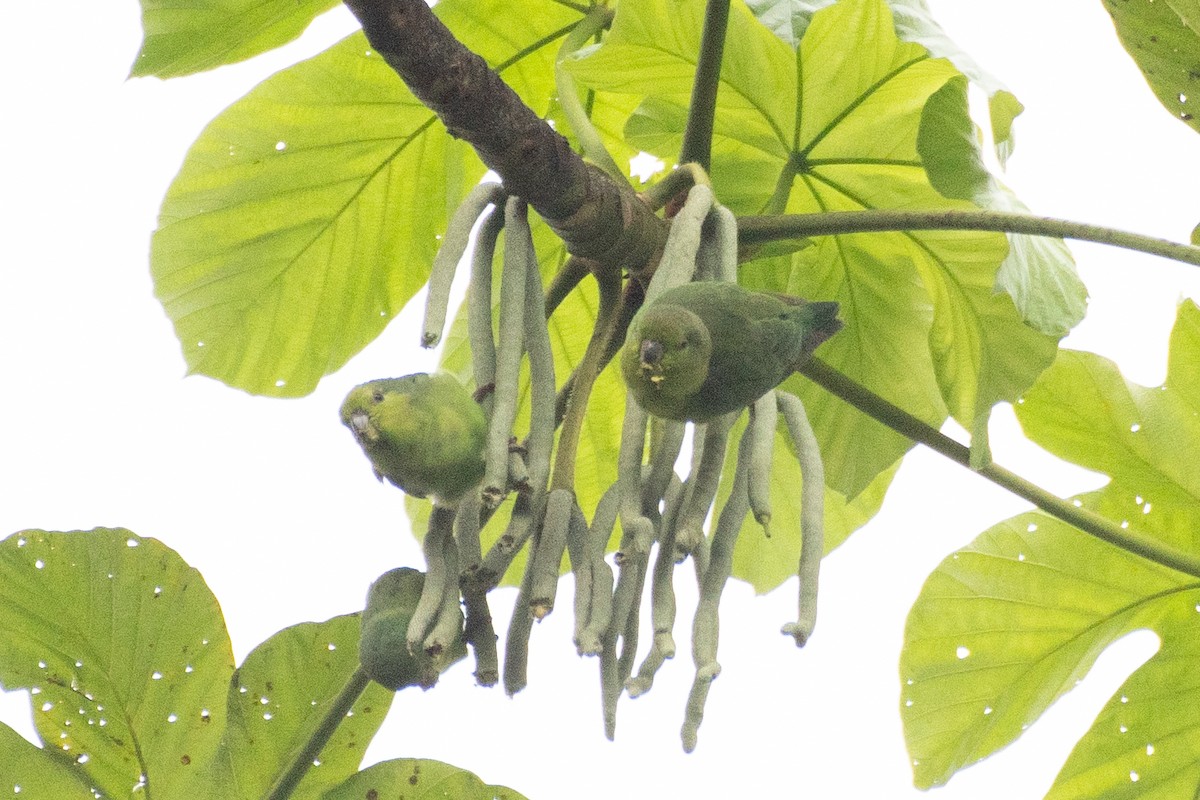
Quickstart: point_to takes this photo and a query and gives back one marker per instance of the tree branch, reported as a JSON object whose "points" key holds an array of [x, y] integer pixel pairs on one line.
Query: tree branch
{"points": [[907, 425], [697, 137], [760, 229], [597, 217]]}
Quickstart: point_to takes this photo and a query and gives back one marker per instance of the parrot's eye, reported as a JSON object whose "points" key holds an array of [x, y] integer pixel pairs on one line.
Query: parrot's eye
{"points": [[377, 396]]}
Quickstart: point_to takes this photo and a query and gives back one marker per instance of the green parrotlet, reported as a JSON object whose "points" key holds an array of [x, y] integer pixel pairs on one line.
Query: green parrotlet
{"points": [[707, 348], [423, 432]]}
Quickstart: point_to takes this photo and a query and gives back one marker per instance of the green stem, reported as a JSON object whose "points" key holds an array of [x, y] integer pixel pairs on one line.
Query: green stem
{"points": [[697, 137], [677, 181], [291, 777], [585, 376], [1087, 521], [759, 229], [573, 271], [589, 138]]}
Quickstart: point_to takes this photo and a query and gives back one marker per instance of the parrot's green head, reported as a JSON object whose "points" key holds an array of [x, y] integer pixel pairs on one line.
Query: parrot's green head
{"points": [[667, 351], [360, 411]]}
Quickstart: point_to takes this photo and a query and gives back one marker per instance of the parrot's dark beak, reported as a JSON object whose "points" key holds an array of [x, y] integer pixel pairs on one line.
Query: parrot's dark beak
{"points": [[652, 353], [651, 357]]}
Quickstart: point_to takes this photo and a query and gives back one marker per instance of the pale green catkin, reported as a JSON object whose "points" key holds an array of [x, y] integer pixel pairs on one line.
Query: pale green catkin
{"points": [[445, 263]]}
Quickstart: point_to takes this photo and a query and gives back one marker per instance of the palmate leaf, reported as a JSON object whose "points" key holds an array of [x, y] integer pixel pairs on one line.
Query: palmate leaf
{"points": [[308, 213], [820, 128], [1164, 39], [788, 19], [1005, 626], [182, 38], [126, 653]]}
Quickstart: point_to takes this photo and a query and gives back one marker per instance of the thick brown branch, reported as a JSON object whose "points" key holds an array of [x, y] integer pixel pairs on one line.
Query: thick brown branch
{"points": [[598, 218]]}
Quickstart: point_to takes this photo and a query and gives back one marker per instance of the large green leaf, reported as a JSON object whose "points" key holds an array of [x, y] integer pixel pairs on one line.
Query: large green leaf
{"points": [[40, 773], [1164, 39], [308, 212], [125, 651], [180, 39], [1005, 626], [418, 779], [788, 19], [277, 698], [818, 128]]}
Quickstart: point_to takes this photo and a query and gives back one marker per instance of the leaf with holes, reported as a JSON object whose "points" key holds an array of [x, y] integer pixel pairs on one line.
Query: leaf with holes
{"points": [[308, 213], [182, 39], [418, 779], [277, 698], [1007, 625], [38, 772], [125, 650], [1164, 39]]}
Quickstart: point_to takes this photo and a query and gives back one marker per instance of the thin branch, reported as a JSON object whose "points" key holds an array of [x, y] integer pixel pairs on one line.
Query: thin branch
{"points": [[697, 137], [1087, 521], [303, 761], [759, 229], [581, 388]]}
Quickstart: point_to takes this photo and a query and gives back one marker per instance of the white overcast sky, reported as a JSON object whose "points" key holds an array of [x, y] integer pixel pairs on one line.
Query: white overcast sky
{"points": [[273, 503]]}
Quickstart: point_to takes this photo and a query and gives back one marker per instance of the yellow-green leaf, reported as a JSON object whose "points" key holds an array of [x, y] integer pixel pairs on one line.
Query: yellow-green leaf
{"points": [[308, 212], [418, 779], [180, 39], [1007, 625], [125, 650], [1164, 39]]}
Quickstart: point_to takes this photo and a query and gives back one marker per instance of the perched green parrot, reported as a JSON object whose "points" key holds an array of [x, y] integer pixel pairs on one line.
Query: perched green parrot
{"points": [[707, 348], [423, 432]]}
